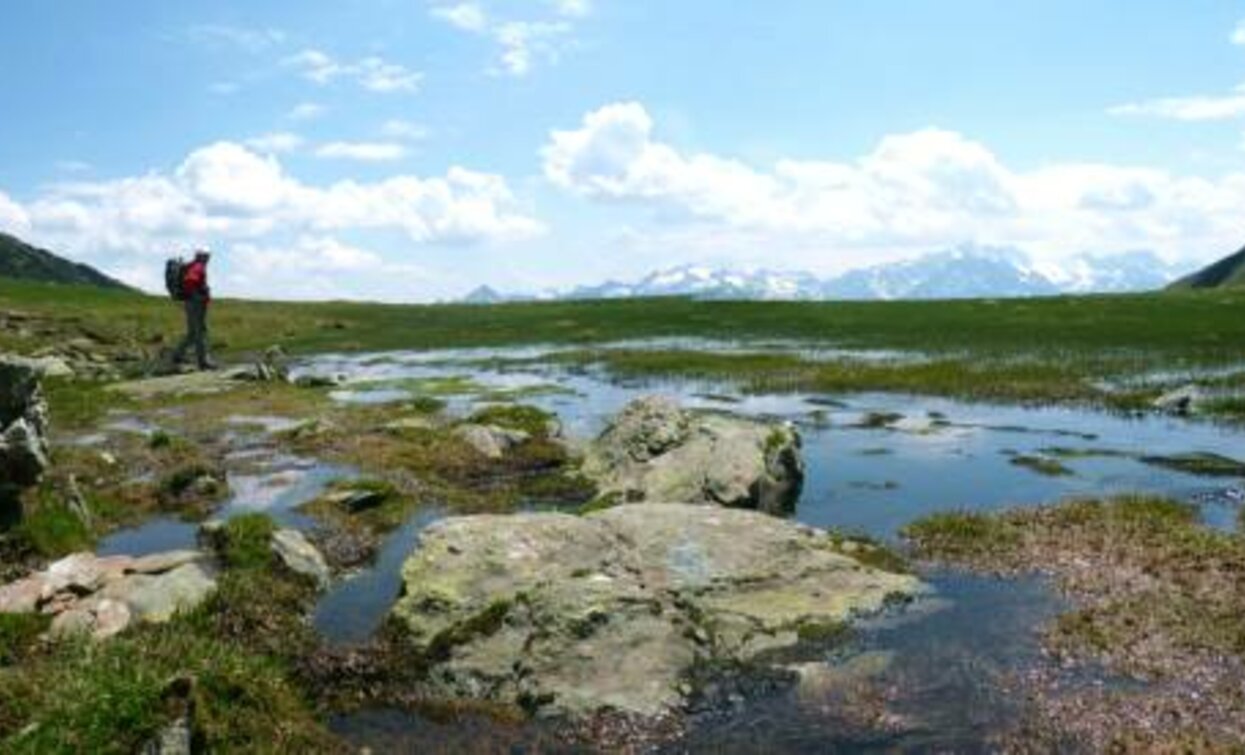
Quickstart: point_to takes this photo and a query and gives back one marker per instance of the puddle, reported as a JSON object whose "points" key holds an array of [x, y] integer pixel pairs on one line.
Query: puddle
{"points": [[354, 608], [287, 483]]}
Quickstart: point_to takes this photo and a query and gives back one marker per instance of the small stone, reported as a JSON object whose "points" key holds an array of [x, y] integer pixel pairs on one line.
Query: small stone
{"points": [[300, 556], [22, 596], [159, 563]]}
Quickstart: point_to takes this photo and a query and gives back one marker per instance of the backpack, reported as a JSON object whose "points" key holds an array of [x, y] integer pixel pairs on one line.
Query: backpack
{"points": [[174, 275]]}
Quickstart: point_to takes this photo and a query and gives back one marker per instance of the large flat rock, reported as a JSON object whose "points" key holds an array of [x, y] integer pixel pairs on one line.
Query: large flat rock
{"points": [[610, 611]]}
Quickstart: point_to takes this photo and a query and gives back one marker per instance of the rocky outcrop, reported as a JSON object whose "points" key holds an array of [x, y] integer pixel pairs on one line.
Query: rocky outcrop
{"points": [[23, 426], [655, 451], [611, 611], [103, 595], [23, 435]]}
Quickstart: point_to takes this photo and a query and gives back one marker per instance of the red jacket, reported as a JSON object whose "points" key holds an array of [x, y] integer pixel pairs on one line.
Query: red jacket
{"points": [[194, 282]]}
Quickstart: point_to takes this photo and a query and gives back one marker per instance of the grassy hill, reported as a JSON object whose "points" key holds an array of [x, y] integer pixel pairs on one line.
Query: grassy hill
{"points": [[22, 261], [1228, 272]]}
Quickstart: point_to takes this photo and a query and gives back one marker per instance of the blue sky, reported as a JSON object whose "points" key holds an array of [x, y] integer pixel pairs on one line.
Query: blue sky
{"points": [[412, 149]]}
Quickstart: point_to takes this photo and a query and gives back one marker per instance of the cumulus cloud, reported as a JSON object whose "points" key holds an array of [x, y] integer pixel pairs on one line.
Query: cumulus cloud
{"points": [[1193, 108], [521, 43], [13, 219], [372, 73], [913, 191], [227, 193], [374, 152]]}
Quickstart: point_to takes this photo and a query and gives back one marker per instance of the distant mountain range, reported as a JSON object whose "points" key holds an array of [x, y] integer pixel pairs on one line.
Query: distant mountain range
{"points": [[1228, 272], [25, 262], [963, 272]]}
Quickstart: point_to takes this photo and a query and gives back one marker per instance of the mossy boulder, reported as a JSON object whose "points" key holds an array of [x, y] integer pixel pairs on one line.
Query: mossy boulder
{"points": [[655, 451], [612, 611]]}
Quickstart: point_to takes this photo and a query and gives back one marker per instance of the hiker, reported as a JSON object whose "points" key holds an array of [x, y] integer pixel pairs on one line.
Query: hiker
{"points": [[196, 296]]}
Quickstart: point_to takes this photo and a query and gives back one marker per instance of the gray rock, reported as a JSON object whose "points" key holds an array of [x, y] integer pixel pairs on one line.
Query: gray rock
{"points": [[157, 599], [44, 367], [23, 426], [1183, 401], [98, 619], [610, 611], [175, 739], [655, 451], [300, 556], [490, 441]]}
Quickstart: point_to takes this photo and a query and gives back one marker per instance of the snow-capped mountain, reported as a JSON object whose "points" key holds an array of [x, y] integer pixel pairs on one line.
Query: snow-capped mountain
{"points": [[708, 283], [963, 272]]}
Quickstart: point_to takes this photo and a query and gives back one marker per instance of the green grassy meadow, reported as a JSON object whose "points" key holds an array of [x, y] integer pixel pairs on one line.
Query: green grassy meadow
{"points": [[1045, 350]]}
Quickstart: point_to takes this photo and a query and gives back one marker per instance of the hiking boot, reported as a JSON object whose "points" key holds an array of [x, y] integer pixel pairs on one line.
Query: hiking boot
{"points": [[208, 366]]}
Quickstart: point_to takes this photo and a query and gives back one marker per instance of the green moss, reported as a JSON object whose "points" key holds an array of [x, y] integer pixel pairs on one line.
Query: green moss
{"points": [[427, 405], [824, 632], [960, 535], [484, 624], [528, 419], [869, 552], [602, 502], [246, 541], [776, 441], [179, 482], [1204, 464], [1042, 465]]}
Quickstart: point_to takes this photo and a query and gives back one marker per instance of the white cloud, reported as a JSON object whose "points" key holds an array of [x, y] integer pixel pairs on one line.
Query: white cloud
{"points": [[1238, 34], [305, 111], [912, 192], [408, 130], [226, 193], [362, 151], [373, 73], [465, 16], [13, 219], [73, 166], [276, 142], [307, 254], [521, 43], [248, 39], [1194, 108], [572, 8]]}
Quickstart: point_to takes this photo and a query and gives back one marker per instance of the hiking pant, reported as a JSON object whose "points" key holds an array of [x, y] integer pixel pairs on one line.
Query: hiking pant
{"points": [[196, 332]]}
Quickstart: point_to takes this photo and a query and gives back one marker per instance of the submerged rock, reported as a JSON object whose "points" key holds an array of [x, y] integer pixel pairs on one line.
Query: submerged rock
{"points": [[655, 451], [611, 611]]}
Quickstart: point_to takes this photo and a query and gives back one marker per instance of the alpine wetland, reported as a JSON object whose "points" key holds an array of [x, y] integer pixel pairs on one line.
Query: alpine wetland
{"points": [[921, 430]]}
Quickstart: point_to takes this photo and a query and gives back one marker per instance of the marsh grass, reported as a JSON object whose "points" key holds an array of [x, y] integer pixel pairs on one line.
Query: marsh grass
{"points": [[1043, 465]]}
